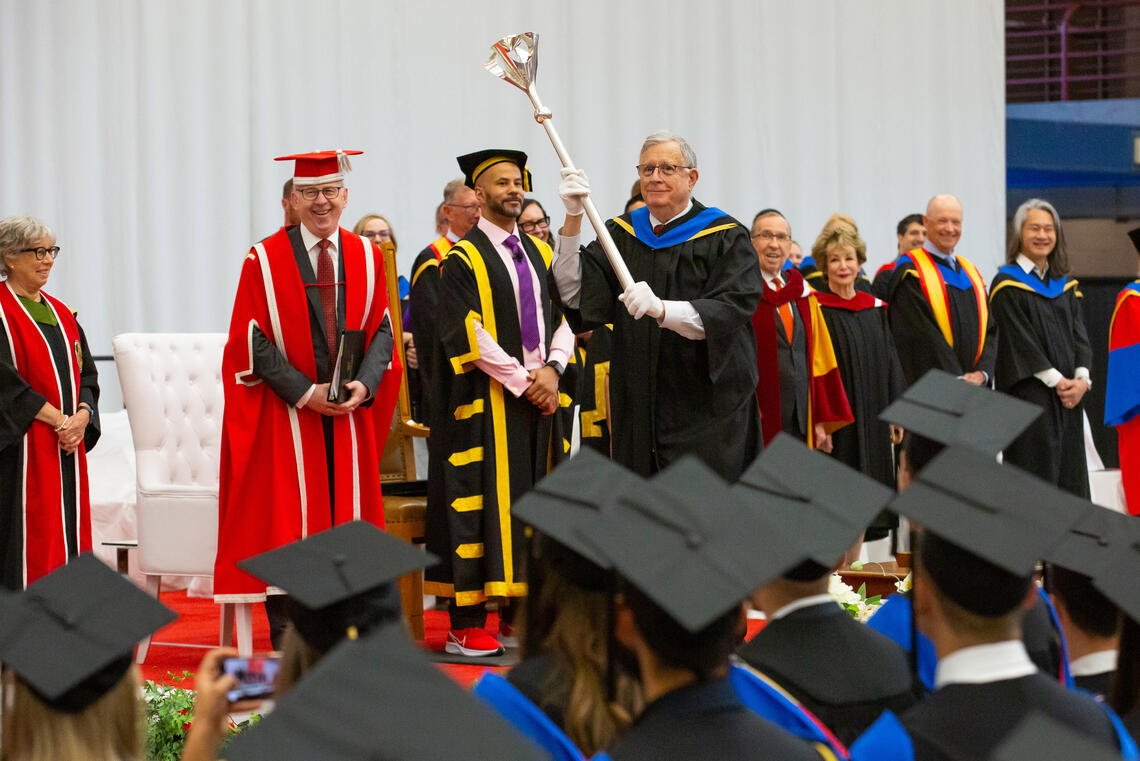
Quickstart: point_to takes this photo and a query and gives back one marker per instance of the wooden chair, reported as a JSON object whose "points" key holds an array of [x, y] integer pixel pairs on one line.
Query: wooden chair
{"points": [[405, 496]]}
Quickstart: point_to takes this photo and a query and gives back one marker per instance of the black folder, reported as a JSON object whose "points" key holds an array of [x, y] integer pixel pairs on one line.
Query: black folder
{"points": [[349, 357]]}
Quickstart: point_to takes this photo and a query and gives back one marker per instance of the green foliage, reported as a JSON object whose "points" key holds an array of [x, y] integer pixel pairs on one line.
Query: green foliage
{"points": [[859, 610], [169, 714]]}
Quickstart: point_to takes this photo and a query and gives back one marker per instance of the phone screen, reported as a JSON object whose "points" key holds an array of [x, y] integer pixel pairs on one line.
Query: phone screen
{"points": [[256, 676]]}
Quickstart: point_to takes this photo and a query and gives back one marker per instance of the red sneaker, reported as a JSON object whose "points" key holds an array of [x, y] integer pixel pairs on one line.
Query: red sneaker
{"points": [[474, 643]]}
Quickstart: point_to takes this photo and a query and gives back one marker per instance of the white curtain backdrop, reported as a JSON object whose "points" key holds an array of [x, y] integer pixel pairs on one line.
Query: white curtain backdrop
{"points": [[144, 131]]}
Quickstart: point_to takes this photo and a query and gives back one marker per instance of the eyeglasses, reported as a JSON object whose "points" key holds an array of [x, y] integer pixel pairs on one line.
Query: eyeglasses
{"points": [[530, 227], [41, 252], [310, 194], [470, 207], [377, 234], [767, 235], [667, 170]]}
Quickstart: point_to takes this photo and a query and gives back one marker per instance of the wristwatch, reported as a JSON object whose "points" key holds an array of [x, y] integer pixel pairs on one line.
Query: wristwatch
{"points": [[557, 366]]}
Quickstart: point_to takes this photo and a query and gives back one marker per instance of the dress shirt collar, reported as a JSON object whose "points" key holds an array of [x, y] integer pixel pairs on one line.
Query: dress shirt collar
{"points": [[982, 664], [1092, 664], [933, 249], [496, 234], [310, 240], [452, 236], [1029, 267], [803, 602], [775, 282], [654, 221]]}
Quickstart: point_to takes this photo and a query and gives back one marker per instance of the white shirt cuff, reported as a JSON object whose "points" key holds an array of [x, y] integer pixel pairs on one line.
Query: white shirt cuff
{"points": [[567, 268], [1050, 377], [305, 397], [1082, 373], [682, 318]]}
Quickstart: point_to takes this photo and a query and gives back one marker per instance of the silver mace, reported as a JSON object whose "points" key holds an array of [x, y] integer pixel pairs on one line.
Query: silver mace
{"points": [[514, 59]]}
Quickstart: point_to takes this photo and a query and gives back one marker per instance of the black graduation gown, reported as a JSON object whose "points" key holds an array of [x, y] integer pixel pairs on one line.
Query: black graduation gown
{"points": [[672, 396], [872, 377], [570, 392], [592, 384], [918, 339], [707, 721], [1036, 331], [967, 721], [19, 404], [1097, 684], [841, 670], [468, 512]]}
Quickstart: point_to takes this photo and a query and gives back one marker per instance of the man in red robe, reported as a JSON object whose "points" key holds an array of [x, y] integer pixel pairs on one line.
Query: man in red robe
{"points": [[799, 391], [294, 463]]}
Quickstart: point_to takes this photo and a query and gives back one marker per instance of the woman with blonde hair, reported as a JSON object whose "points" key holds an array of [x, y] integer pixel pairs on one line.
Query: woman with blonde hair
{"points": [[71, 688], [812, 269], [376, 228]]}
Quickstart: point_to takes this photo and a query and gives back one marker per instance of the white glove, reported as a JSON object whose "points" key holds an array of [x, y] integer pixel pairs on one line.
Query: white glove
{"points": [[640, 300], [573, 190]]}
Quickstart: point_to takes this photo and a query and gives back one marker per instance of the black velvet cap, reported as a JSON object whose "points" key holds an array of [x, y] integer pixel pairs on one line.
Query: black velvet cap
{"points": [[474, 164], [824, 503], [687, 543], [564, 504], [1039, 738], [984, 527], [339, 578], [950, 411], [379, 697], [71, 634]]}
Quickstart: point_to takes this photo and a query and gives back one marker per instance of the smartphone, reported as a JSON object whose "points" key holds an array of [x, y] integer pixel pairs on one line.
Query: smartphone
{"points": [[256, 676]]}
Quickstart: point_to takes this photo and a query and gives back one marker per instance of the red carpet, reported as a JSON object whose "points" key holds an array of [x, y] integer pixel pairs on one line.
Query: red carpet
{"points": [[198, 622]]}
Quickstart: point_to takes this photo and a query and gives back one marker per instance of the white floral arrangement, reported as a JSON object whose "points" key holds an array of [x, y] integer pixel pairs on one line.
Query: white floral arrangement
{"points": [[856, 602]]}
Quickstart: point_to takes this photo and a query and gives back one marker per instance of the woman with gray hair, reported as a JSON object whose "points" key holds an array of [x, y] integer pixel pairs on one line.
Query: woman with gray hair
{"points": [[49, 394], [1043, 351]]}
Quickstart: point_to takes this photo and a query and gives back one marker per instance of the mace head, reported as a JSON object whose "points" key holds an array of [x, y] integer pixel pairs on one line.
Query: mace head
{"points": [[514, 59]]}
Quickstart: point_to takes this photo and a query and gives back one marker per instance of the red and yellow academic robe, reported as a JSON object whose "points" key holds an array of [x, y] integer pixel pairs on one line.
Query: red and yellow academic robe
{"points": [[274, 486], [38, 498], [1122, 391], [827, 400]]}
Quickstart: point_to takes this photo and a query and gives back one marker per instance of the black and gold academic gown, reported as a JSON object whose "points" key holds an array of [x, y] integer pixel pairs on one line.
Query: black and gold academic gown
{"points": [[670, 395], [487, 447], [1040, 327], [593, 383], [951, 332]]}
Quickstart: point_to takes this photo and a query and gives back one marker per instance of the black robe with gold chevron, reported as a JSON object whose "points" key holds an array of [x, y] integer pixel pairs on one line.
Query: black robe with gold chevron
{"points": [[488, 447], [670, 395], [592, 385]]}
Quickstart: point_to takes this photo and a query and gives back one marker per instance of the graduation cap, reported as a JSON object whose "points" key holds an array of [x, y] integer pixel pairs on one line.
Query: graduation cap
{"points": [[319, 167], [1039, 738], [378, 697], [564, 504], [985, 526], [1089, 545], [1116, 580], [71, 634], [818, 499], [687, 542], [474, 164], [339, 578], [950, 411]]}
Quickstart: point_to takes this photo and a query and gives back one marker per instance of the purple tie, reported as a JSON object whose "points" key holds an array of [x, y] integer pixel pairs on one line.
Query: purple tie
{"points": [[528, 319]]}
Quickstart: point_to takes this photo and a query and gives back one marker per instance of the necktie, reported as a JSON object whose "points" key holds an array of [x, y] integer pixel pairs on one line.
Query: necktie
{"points": [[326, 286], [658, 229], [786, 317], [528, 315]]}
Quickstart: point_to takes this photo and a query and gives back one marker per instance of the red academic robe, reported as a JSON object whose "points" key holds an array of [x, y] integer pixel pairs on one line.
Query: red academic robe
{"points": [[1122, 391], [274, 479], [827, 401], [45, 540]]}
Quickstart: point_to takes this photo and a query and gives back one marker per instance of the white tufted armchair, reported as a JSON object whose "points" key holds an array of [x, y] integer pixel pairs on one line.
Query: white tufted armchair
{"points": [[172, 389]]}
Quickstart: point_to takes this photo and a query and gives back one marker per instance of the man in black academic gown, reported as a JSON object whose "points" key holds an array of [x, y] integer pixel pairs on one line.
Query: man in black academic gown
{"points": [[951, 330], [682, 380], [911, 235], [1092, 629], [985, 525]]}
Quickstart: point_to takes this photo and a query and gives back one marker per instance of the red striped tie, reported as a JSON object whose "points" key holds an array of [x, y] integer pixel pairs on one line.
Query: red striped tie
{"points": [[326, 286]]}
